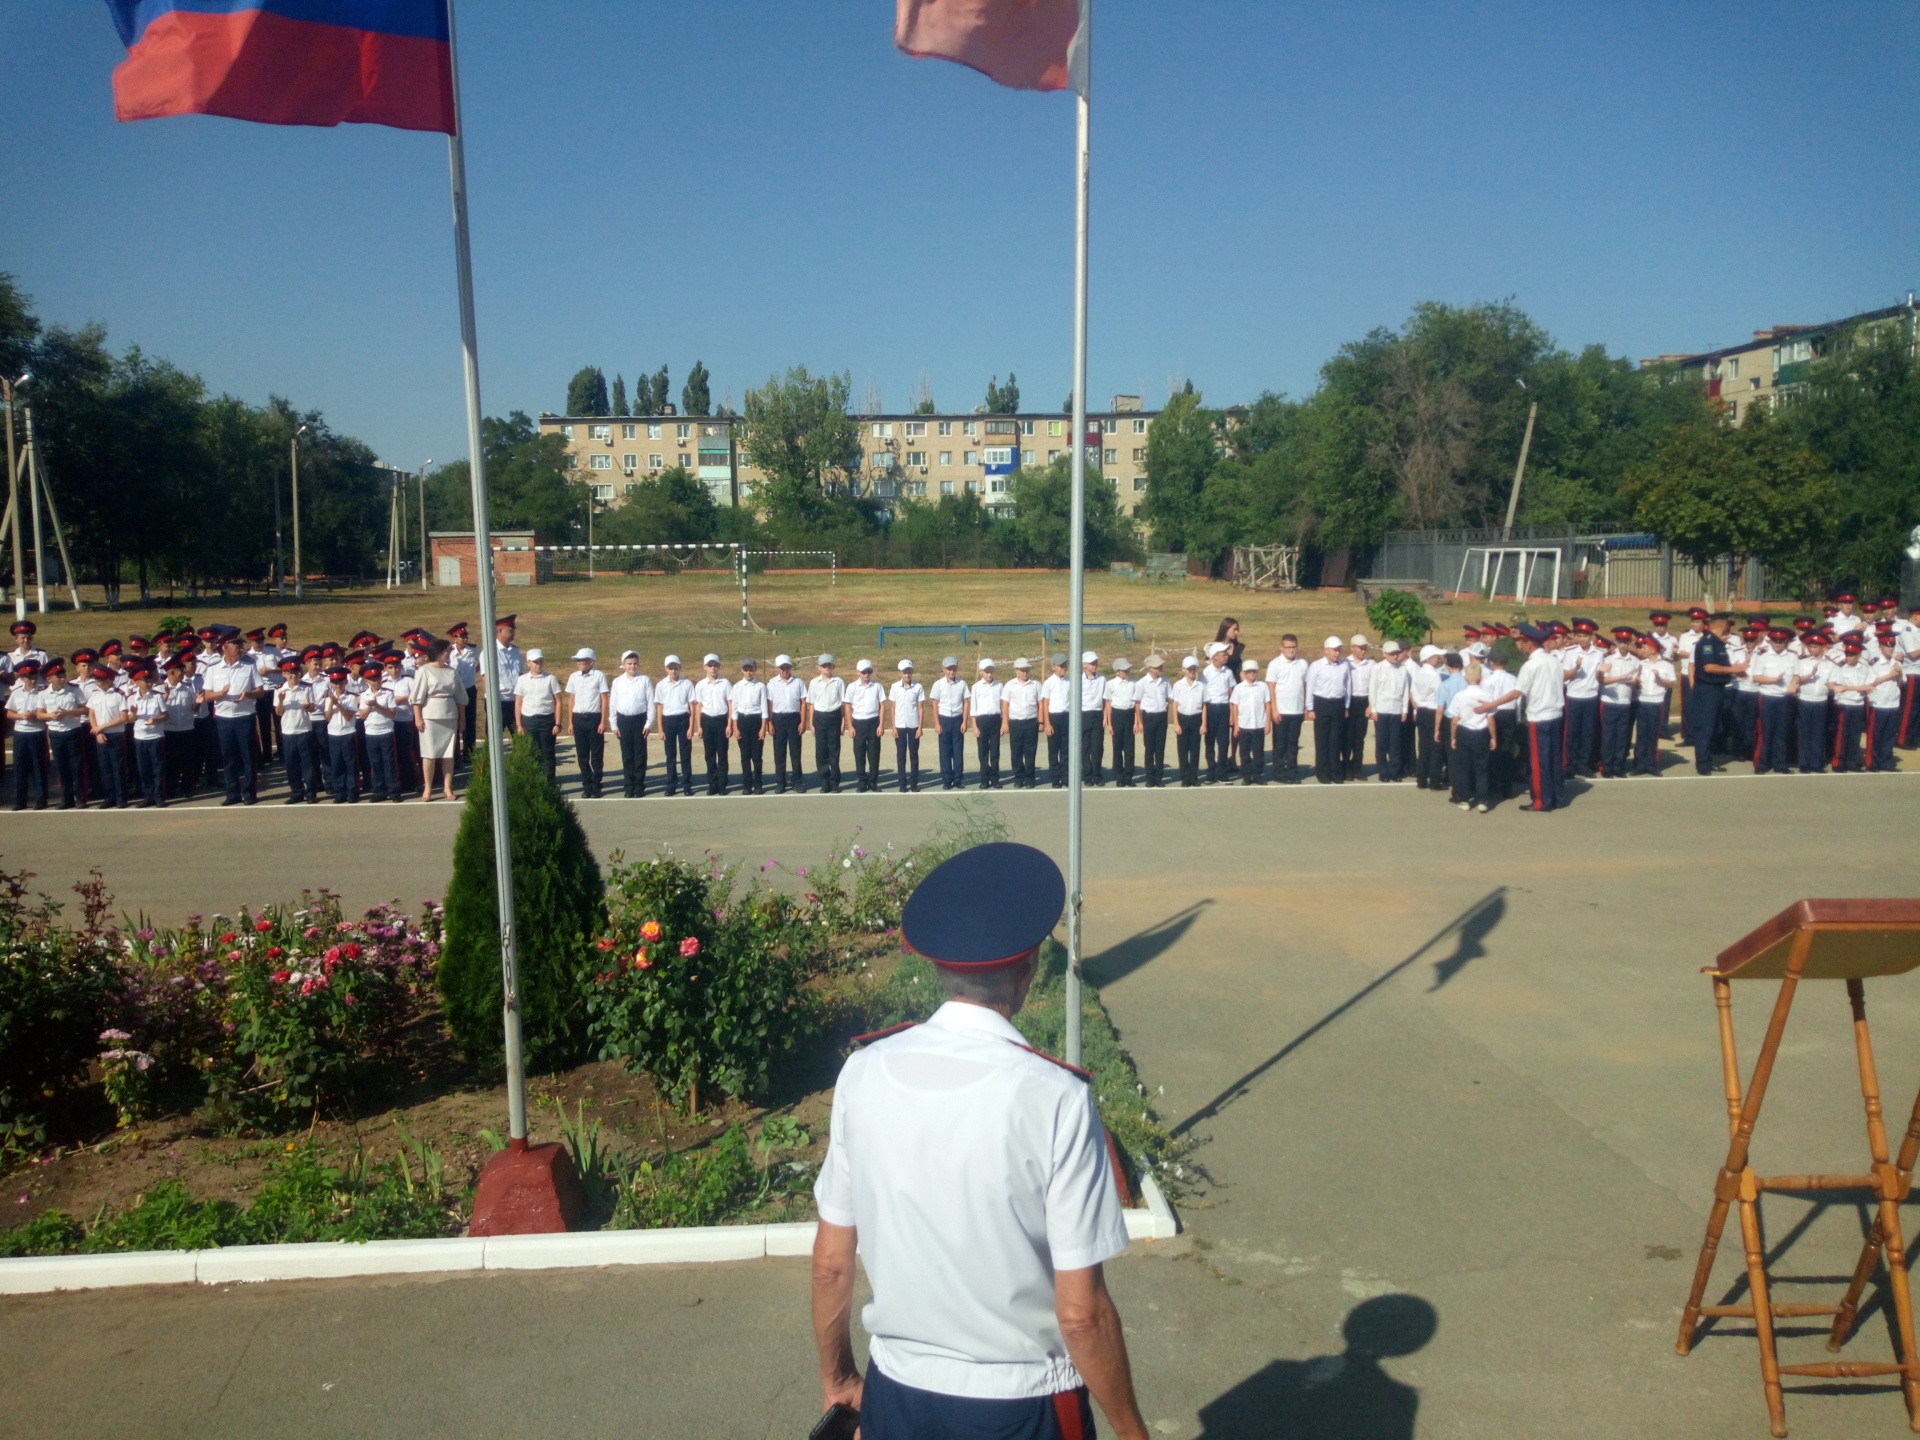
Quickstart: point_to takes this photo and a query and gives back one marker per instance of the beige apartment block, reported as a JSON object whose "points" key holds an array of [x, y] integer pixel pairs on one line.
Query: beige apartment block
{"points": [[902, 457]]}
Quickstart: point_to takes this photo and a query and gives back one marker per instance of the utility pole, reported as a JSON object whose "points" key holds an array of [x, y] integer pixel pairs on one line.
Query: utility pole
{"points": [[279, 562], [33, 507], [423, 522], [1520, 470], [299, 571], [7, 388]]}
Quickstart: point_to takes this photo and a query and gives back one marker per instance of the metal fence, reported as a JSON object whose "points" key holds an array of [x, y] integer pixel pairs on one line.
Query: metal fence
{"points": [[1592, 566]]}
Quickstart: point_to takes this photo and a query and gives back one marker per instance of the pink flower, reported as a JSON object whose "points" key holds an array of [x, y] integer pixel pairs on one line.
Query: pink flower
{"points": [[274, 952], [640, 961], [354, 952], [803, 872], [650, 930], [345, 927], [263, 926], [280, 977], [312, 932], [233, 955], [603, 944], [689, 947], [351, 1000]]}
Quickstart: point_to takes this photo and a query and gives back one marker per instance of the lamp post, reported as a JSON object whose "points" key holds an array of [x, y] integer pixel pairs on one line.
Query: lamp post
{"points": [[423, 521], [299, 572], [7, 389], [1520, 470]]}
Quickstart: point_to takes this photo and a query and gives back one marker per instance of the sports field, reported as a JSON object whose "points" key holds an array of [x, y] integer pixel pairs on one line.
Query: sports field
{"points": [[803, 614]]}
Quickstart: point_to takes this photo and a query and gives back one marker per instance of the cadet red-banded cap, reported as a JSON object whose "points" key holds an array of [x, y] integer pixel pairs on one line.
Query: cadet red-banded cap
{"points": [[257, 633], [277, 629], [1696, 612], [1473, 630], [513, 619], [27, 667], [1624, 632], [946, 922], [1585, 626], [85, 655], [1845, 597], [338, 673], [1780, 632], [459, 628], [23, 627], [1853, 640], [102, 672], [109, 647], [176, 662], [138, 642], [1659, 617], [290, 665]]}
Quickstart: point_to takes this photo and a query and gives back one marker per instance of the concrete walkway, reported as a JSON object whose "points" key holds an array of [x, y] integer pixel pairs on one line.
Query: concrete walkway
{"points": [[1468, 1059]]}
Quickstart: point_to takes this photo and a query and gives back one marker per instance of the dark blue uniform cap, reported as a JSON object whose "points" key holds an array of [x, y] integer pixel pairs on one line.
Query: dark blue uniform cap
{"points": [[986, 906]]}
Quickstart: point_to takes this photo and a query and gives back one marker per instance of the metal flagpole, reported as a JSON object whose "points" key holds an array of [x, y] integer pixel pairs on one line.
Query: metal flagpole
{"points": [[423, 524], [1076, 615], [489, 646]]}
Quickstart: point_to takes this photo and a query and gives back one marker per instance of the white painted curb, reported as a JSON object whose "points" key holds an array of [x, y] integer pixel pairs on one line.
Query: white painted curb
{"points": [[337, 1260]]}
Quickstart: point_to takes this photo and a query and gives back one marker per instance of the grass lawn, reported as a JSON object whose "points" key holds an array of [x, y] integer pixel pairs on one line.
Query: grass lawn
{"points": [[803, 615]]}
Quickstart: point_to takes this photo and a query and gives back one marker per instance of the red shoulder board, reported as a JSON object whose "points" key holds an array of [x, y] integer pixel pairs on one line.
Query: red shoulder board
{"points": [[860, 1041], [1086, 1075]]}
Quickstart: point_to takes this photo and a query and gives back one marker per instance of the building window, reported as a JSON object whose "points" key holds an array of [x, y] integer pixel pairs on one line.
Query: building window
{"points": [[917, 488], [946, 487], [1139, 455], [1107, 457], [1053, 455], [573, 462], [997, 486], [972, 458], [946, 457], [1733, 367], [882, 460], [1139, 427], [600, 432], [600, 462], [1026, 457], [946, 427], [629, 463], [916, 428], [917, 457], [629, 432], [656, 462], [683, 432], [971, 427], [1139, 483], [1002, 427], [1055, 427], [567, 430], [999, 455], [603, 492], [1112, 427], [882, 432], [973, 487], [653, 432], [1026, 427]]}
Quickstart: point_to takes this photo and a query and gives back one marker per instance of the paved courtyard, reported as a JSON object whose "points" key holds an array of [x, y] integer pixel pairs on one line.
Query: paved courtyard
{"points": [[1464, 1059]]}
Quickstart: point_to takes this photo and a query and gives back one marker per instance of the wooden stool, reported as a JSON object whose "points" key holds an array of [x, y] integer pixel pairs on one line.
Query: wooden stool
{"points": [[1848, 940]]}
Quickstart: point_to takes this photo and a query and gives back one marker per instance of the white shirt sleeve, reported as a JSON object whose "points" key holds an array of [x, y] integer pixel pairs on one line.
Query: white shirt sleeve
{"points": [[833, 1191], [1084, 1222]]}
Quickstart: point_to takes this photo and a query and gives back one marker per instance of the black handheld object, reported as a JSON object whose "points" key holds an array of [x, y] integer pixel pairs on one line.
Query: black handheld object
{"points": [[839, 1423]]}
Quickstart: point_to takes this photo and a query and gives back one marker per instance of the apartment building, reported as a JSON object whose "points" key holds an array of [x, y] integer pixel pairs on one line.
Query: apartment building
{"points": [[1773, 364], [902, 457]]}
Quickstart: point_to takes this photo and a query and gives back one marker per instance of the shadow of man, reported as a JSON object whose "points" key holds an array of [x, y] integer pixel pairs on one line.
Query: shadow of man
{"points": [[1333, 1397]]}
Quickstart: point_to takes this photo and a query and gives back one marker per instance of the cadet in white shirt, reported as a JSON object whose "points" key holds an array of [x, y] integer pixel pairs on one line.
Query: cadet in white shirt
{"points": [[1850, 680], [30, 762], [465, 660], [341, 707], [673, 697], [1021, 705], [1812, 702], [1093, 709], [1154, 698], [293, 705], [1619, 677], [586, 703], [1056, 694], [182, 689], [1771, 667], [232, 684], [1470, 711], [536, 699], [971, 1176], [1252, 705], [863, 701], [951, 696], [1287, 680], [147, 708], [63, 710], [1218, 681], [713, 715], [631, 697], [1423, 693], [1541, 685], [826, 717], [749, 725], [1389, 703], [1907, 650], [1580, 662], [1329, 684], [512, 666], [907, 695], [1653, 685], [984, 707], [1189, 694], [1353, 741], [1122, 702], [786, 706], [376, 729]]}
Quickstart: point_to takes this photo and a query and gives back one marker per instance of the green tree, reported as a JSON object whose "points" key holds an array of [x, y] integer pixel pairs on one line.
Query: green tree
{"points": [[671, 507], [587, 392], [558, 908], [695, 396], [657, 385], [1713, 490], [19, 327], [528, 484], [924, 405], [1042, 524], [1003, 399], [620, 396], [1182, 450]]}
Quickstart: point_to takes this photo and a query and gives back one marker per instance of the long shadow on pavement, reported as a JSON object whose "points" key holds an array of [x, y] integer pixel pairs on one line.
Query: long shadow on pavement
{"points": [[1469, 929], [1136, 952], [1333, 1397]]}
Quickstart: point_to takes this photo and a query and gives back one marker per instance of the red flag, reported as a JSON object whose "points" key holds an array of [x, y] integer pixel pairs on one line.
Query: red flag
{"points": [[1026, 44]]}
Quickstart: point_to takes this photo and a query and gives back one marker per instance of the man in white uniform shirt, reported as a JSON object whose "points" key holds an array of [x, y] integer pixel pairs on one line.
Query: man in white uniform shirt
{"points": [[985, 706], [1329, 684], [1287, 680], [1189, 694], [1154, 701], [1653, 685], [1581, 665], [673, 699], [1771, 668], [826, 718], [950, 695], [1252, 705], [1217, 680], [1353, 743], [1093, 711], [1541, 685], [864, 701], [512, 666], [465, 660], [536, 704], [232, 684], [1021, 705], [713, 718], [1389, 701], [586, 703], [971, 1178], [631, 696], [1056, 695], [1423, 693], [376, 733], [1122, 707], [907, 696], [30, 762], [786, 706], [293, 704], [750, 726]]}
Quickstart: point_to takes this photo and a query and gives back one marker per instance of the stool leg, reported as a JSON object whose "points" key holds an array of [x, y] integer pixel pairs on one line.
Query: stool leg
{"points": [[1877, 1238], [1716, 1222], [1702, 1272], [1762, 1304]]}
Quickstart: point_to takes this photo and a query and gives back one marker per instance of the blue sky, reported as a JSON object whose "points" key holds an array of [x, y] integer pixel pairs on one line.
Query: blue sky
{"points": [[764, 184]]}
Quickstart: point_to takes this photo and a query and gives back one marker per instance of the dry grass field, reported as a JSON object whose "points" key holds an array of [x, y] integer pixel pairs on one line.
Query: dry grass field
{"points": [[802, 614]]}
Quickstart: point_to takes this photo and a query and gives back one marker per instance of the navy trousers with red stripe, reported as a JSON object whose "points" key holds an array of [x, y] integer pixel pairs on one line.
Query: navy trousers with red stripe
{"points": [[1849, 727], [1772, 736], [1883, 724], [1543, 761], [892, 1411], [1909, 727]]}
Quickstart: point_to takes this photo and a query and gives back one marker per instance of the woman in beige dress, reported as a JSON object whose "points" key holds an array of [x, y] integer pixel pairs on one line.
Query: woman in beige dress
{"points": [[436, 713]]}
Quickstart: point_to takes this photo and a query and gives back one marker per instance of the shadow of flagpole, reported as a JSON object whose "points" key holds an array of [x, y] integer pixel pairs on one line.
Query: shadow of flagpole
{"points": [[1470, 926]]}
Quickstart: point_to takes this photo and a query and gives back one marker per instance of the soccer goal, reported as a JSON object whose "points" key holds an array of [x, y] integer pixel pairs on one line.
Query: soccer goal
{"points": [[1528, 563]]}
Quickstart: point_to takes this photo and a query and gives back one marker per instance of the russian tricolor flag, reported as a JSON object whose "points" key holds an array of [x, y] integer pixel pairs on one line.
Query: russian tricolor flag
{"points": [[287, 62]]}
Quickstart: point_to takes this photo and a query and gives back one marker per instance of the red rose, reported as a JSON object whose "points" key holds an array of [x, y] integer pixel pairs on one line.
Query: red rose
{"points": [[263, 926], [280, 977], [274, 952], [228, 938], [689, 947]]}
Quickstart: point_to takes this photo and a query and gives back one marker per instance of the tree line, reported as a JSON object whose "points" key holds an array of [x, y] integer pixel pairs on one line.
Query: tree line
{"points": [[1420, 428]]}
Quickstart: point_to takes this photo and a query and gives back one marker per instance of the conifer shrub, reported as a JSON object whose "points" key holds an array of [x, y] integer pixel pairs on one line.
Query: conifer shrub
{"points": [[558, 911]]}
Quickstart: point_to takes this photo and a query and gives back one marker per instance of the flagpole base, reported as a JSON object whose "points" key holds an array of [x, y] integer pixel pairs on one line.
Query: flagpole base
{"points": [[528, 1190]]}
